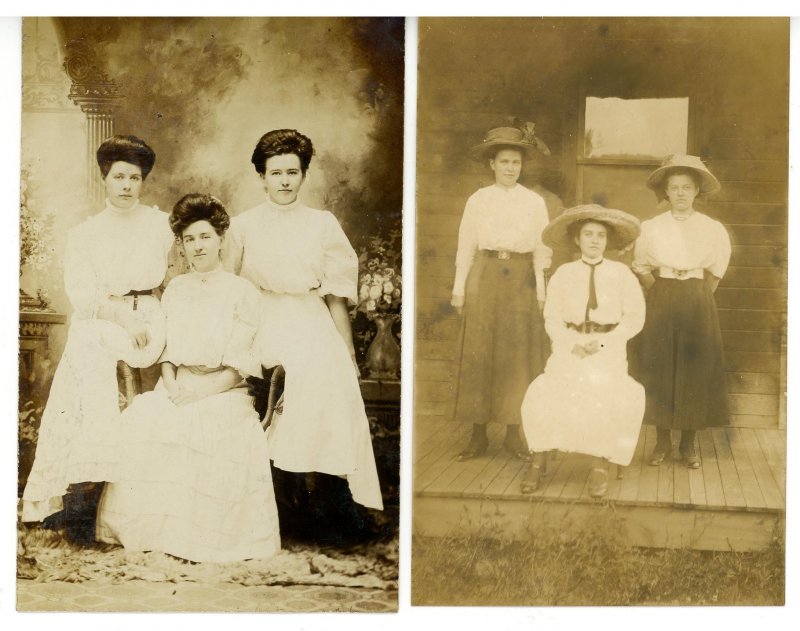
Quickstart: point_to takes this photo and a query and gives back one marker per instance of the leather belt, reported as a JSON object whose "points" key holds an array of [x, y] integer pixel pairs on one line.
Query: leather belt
{"points": [[680, 274], [592, 327], [505, 255], [136, 293]]}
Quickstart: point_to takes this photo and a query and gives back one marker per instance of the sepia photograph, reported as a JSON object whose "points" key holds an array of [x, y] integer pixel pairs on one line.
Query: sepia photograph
{"points": [[600, 354], [210, 300]]}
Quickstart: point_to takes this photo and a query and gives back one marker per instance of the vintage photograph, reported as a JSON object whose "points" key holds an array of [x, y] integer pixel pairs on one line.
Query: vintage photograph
{"points": [[209, 326], [601, 300]]}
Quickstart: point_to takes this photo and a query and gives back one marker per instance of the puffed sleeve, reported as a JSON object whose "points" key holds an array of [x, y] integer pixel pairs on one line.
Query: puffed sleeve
{"points": [[169, 299], [81, 282], [340, 263], [233, 248], [721, 245], [467, 245], [641, 259], [555, 324], [239, 351], [633, 307]]}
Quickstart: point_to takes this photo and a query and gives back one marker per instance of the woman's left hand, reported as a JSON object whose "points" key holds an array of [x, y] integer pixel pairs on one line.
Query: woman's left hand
{"points": [[183, 396], [541, 306], [355, 365]]}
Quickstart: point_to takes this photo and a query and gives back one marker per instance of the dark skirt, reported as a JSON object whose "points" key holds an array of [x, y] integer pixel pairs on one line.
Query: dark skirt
{"points": [[678, 357], [504, 344]]}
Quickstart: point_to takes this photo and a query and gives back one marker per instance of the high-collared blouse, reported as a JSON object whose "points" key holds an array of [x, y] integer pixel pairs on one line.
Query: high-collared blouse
{"points": [[212, 318], [114, 252], [291, 249], [695, 243], [496, 218], [619, 301]]}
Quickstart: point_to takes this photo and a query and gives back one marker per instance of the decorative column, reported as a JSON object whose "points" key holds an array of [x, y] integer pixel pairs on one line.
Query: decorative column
{"points": [[98, 98]]}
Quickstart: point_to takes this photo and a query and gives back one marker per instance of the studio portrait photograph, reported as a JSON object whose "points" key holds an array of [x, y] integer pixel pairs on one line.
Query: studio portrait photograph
{"points": [[600, 359], [210, 294]]}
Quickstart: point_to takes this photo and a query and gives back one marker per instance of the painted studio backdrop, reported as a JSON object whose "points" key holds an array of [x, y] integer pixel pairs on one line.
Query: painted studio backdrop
{"points": [[201, 92]]}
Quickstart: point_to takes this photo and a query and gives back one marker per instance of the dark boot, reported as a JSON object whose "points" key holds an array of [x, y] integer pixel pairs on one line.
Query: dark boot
{"points": [[663, 447], [514, 444], [688, 453], [533, 474], [478, 443]]}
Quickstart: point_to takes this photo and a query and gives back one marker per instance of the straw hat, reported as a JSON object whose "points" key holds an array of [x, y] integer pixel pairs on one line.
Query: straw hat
{"points": [[655, 180], [624, 227], [522, 139]]}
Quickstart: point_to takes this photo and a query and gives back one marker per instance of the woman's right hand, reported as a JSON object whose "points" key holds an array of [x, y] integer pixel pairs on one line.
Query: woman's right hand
{"points": [[457, 302], [136, 329], [182, 396]]}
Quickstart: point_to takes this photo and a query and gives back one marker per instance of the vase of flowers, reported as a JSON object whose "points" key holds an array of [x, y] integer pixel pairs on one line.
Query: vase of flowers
{"points": [[380, 296], [36, 244]]}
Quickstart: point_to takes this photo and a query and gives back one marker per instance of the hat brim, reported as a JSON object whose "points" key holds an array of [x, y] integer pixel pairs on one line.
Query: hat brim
{"points": [[479, 152], [655, 181], [625, 228]]}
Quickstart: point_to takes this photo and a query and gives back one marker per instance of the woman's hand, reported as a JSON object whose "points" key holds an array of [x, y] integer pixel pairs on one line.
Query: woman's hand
{"points": [[457, 302], [579, 350], [355, 365], [135, 328], [183, 396], [541, 306], [592, 347]]}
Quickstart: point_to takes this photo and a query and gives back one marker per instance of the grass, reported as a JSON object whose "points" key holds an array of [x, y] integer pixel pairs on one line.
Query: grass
{"points": [[590, 566]]}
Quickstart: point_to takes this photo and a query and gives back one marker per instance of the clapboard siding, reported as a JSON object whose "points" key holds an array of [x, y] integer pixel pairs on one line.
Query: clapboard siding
{"points": [[740, 127]]}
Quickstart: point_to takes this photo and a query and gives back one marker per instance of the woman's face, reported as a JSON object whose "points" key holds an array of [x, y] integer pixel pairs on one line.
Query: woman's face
{"points": [[283, 178], [201, 244], [681, 191], [123, 185], [592, 239], [507, 166]]}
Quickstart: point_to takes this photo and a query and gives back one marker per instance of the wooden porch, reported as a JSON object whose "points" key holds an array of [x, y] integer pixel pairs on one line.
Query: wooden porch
{"points": [[735, 501]]}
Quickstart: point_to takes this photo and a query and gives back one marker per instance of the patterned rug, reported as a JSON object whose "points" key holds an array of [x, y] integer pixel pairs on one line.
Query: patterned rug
{"points": [[45, 556]]}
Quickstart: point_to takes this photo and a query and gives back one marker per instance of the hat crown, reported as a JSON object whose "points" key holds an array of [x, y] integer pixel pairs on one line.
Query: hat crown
{"points": [[683, 160], [509, 134]]}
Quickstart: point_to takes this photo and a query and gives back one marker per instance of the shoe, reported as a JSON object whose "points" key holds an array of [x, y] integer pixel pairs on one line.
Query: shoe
{"points": [[476, 447], [658, 455], [531, 479], [690, 457], [517, 449], [598, 482]]}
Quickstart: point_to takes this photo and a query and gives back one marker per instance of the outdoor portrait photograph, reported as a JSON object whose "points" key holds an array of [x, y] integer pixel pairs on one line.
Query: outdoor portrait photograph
{"points": [[210, 300], [600, 351]]}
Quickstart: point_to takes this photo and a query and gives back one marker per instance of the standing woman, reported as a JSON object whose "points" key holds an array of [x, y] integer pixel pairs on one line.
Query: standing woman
{"points": [[113, 262], [499, 288], [307, 272], [680, 258]]}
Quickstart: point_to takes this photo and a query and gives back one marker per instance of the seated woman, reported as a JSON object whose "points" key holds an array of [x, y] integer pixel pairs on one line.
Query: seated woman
{"points": [[194, 476], [585, 402]]}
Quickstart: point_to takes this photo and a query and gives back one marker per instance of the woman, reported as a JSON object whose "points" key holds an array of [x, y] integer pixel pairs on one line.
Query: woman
{"points": [[194, 479], [499, 287], [113, 262], [680, 258], [585, 402], [307, 272]]}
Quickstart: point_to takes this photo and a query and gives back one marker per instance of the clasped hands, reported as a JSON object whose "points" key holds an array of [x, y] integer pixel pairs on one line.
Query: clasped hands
{"points": [[585, 350]]}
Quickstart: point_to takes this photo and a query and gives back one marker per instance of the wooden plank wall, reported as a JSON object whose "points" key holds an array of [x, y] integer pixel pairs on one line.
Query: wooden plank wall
{"points": [[472, 74]]}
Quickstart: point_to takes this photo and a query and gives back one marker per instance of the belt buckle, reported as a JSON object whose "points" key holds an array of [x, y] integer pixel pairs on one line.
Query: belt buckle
{"points": [[503, 255], [681, 273]]}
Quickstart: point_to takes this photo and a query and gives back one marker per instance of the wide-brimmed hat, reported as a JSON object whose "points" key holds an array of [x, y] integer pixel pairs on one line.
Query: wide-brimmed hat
{"points": [[511, 137], [655, 180], [624, 226]]}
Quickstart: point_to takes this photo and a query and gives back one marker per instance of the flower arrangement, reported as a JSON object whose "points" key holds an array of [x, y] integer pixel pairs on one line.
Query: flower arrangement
{"points": [[380, 288], [36, 232]]}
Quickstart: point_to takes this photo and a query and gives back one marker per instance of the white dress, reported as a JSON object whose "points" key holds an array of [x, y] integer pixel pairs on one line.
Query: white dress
{"points": [[588, 405], [296, 256], [194, 480], [107, 256]]}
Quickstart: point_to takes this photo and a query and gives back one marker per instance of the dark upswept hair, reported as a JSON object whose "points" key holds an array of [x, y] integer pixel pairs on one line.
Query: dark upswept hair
{"points": [[128, 149], [491, 154], [280, 142], [198, 207], [692, 173]]}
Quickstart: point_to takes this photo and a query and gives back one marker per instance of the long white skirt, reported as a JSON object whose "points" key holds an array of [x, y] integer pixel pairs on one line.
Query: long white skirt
{"points": [[585, 405], [194, 481], [323, 426], [80, 424]]}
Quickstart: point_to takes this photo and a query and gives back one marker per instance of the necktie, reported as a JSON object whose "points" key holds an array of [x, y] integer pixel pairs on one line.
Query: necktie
{"points": [[592, 302]]}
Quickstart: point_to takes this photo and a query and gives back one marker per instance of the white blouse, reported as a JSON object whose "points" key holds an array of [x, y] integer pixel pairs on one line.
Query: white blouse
{"points": [[496, 218], [212, 319], [619, 300], [697, 242], [114, 252], [292, 249]]}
